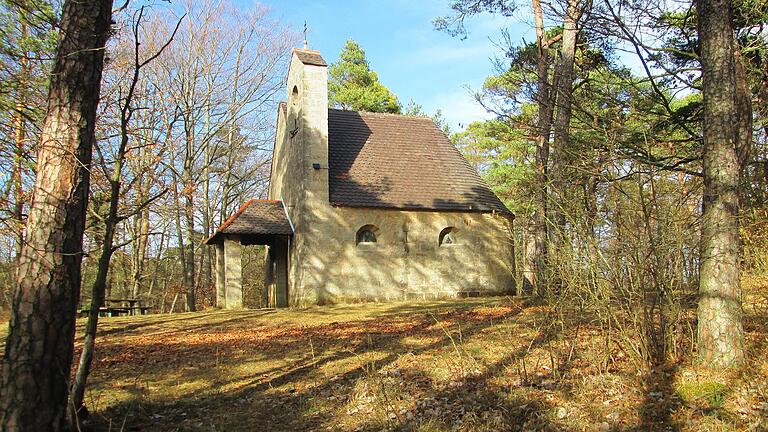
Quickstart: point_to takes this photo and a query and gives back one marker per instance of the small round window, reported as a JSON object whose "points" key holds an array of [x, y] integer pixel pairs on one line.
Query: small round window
{"points": [[366, 234], [448, 236]]}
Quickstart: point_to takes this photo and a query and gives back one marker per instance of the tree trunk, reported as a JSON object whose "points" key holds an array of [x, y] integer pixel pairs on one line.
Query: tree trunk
{"points": [[762, 110], [189, 212], [140, 243], [140, 228], [536, 246], [180, 236], [743, 113], [98, 292], [189, 270], [186, 238], [720, 329], [206, 261], [38, 350], [590, 185], [562, 123], [19, 138]]}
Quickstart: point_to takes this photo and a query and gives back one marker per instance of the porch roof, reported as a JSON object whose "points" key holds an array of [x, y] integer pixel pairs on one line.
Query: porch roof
{"points": [[255, 219]]}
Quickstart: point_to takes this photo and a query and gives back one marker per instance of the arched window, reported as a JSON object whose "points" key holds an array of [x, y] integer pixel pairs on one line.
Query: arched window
{"points": [[294, 96], [294, 100], [447, 236], [366, 234]]}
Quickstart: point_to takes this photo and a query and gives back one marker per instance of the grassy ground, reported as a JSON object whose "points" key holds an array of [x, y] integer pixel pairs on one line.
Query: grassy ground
{"points": [[481, 364]]}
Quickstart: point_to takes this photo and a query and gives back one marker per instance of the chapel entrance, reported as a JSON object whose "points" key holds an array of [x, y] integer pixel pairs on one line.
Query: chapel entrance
{"points": [[257, 222], [276, 273]]}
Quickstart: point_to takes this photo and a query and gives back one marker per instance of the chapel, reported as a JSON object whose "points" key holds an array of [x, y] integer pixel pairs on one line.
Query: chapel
{"points": [[364, 207]]}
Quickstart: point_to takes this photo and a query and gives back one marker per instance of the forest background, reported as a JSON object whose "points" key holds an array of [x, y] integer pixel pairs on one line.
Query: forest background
{"points": [[600, 162]]}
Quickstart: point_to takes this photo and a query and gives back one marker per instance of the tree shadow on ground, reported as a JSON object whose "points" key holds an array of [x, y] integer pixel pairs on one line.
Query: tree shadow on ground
{"points": [[283, 398], [110, 327], [368, 374], [472, 401], [659, 401]]}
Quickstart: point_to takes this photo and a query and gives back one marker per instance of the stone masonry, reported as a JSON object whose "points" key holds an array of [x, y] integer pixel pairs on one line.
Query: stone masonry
{"points": [[325, 262]]}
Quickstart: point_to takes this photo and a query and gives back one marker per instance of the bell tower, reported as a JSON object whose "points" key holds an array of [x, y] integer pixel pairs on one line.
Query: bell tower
{"points": [[307, 119]]}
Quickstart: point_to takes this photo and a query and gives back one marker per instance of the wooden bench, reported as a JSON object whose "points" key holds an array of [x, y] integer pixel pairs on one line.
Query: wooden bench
{"points": [[133, 308], [104, 312], [142, 310]]}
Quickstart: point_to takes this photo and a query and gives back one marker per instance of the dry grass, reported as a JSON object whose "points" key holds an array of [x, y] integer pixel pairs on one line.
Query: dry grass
{"points": [[484, 364]]}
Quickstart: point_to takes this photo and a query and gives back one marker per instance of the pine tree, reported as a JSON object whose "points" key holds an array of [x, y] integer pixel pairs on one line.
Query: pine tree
{"points": [[354, 86], [720, 327]]}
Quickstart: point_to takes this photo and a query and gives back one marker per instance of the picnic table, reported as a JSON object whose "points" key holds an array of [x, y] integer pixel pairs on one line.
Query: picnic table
{"points": [[118, 307]]}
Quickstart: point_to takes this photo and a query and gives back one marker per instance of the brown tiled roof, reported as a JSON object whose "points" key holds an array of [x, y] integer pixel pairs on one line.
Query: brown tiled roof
{"points": [[256, 217], [404, 162], [310, 57]]}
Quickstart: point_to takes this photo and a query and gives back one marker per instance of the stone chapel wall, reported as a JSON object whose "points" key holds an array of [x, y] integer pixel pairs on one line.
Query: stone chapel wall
{"points": [[407, 261]]}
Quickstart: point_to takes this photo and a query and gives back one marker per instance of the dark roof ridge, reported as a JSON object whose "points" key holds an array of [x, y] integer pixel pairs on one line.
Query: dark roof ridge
{"points": [[309, 57], [413, 116], [305, 50]]}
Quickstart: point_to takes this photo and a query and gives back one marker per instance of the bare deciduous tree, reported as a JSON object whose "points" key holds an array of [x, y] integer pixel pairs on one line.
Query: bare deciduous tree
{"points": [[112, 218]]}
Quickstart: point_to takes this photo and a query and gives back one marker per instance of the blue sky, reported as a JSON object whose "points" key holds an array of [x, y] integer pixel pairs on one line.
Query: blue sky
{"points": [[412, 59]]}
